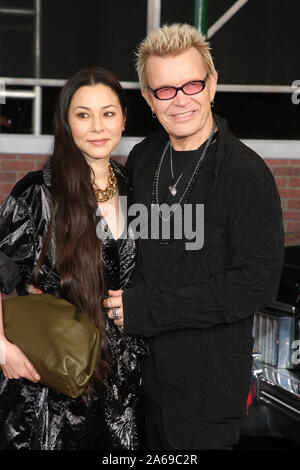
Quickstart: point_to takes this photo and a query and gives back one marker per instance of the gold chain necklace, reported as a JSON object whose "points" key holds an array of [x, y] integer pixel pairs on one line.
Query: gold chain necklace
{"points": [[103, 195]]}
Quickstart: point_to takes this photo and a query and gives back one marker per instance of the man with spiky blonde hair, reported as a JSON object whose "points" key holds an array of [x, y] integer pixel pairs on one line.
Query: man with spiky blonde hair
{"points": [[194, 303], [171, 41]]}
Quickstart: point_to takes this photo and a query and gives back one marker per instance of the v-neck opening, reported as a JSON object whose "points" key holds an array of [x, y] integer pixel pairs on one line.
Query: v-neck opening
{"points": [[108, 230]]}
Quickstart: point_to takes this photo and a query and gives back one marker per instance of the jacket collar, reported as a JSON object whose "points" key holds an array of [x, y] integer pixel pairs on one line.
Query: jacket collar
{"points": [[122, 178], [225, 141], [46, 170]]}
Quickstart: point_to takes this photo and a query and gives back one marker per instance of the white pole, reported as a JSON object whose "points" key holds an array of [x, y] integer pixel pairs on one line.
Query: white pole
{"points": [[153, 15]]}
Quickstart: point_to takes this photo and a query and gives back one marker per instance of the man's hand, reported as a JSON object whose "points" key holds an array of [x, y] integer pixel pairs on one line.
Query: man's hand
{"points": [[114, 306]]}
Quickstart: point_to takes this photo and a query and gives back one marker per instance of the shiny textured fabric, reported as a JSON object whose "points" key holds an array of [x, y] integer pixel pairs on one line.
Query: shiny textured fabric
{"points": [[31, 415], [10, 275]]}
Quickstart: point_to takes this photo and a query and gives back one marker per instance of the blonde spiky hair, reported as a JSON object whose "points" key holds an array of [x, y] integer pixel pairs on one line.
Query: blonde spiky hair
{"points": [[171, 40]]}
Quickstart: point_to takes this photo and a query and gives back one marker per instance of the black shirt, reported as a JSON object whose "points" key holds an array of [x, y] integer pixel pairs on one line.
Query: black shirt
{"points": [[154, 259]]}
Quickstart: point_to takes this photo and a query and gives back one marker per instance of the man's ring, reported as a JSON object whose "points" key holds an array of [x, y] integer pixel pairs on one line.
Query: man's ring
{"points": [[115, 313]]}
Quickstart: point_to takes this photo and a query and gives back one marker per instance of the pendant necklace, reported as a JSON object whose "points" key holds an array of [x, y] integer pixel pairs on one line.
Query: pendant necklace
{"points": [[173, 187]]}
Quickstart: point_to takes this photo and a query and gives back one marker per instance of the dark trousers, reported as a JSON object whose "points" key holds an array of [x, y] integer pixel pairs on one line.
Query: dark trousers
{"points": [[155, 437]]}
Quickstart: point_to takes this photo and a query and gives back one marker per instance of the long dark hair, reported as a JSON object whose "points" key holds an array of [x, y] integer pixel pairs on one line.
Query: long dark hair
{"points": [[77, 247]]}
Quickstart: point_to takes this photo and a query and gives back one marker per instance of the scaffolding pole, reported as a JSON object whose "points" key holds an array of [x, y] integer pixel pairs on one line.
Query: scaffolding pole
{"points": [[201, 15], [37, 101], [153, 15]]}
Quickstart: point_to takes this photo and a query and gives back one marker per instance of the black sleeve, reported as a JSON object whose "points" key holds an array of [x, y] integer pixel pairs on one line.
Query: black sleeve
{"points": [[10, 275], [250, 283], [17, 237], [130, 162]]}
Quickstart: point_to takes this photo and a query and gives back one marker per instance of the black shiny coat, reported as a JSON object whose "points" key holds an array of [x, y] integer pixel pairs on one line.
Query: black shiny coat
{"points": [[31, 415]]}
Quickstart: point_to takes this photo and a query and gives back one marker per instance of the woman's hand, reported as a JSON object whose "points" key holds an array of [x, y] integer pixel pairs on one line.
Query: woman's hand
{"points": [[16, 365], [33, 290]]}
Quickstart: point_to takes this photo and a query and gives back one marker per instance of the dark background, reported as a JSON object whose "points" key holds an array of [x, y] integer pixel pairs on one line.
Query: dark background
{"points": [[257, 46]]}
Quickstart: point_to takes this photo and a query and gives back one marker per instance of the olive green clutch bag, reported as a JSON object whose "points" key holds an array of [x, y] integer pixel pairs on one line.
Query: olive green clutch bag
{"points": [[61, 343]]}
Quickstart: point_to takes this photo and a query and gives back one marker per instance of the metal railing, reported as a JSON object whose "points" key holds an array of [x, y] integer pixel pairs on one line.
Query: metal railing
{"points": [[38, 83], [153, 21], [35, 94]]}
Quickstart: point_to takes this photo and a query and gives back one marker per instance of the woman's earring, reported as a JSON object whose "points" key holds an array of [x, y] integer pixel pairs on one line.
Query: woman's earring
{"points": [[212, 104], [154, 115]]}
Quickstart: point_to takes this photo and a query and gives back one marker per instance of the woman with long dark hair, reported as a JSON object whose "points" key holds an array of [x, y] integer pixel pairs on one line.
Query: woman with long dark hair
{"points": [[64, 228]]}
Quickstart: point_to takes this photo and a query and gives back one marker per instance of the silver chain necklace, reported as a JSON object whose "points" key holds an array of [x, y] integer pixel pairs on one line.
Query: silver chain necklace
{"points": [[172, 188]]}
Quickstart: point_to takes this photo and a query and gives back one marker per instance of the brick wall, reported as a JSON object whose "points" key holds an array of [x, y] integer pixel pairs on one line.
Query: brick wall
{"points": [[286, 173], [287, 176], [14, 167]]}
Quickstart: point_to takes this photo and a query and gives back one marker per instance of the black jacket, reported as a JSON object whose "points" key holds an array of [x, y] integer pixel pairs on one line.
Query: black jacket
{"points": [[10, 275], [199, 320]]}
